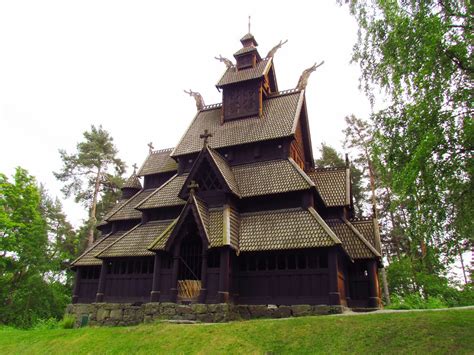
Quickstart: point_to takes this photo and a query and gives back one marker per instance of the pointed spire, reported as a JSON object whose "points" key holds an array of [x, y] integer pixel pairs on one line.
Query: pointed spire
{"points": [[133, 182]]}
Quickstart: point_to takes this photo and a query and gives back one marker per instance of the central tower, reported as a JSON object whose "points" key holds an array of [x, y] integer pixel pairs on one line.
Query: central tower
{"points": [[248, 83]]}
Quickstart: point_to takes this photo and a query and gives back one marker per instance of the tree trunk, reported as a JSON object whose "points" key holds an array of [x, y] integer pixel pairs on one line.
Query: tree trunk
{"points": [[92, 216], [386, 294], [462, 266]]}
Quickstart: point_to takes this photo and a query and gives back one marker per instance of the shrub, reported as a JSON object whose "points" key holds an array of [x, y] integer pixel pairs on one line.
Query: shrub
{"points": [[67, 322]]}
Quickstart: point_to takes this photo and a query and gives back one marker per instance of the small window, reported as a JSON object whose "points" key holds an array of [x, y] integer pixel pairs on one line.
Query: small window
{"points": [[137, 267], [281, 262], [151, 265], [323, 261], [116, 267], [144, 267], [251, 262], [242, 263], [271, 262], [291, 261], [262, 263], [301, 261], [123, 267], [312, 261], [130, 265]]}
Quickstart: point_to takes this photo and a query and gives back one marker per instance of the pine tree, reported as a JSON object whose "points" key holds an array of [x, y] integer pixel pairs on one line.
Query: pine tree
{"points": [[86, 173]]}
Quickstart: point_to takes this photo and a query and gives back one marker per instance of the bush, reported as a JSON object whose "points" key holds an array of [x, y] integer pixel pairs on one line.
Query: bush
{"points": [[67, 322], [45, 324], [415, 301]]}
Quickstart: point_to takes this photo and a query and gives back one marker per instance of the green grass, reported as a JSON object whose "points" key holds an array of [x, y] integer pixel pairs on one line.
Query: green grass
{"points": [[450, 331]]}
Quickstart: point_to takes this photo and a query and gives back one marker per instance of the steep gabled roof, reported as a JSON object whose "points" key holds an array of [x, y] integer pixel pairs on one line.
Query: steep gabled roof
{"points": [[166, 195], [280, 112], [221, 224], [133, 182], [270, 177], [232, 75], [221, 168], [135, 241], [333, 185], [127, 210], [88, 257], [355, 244], [284, 229], [158, 161]]}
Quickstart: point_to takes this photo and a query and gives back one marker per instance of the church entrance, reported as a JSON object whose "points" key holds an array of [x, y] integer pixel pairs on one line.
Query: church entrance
{"points": [[190, 263]]}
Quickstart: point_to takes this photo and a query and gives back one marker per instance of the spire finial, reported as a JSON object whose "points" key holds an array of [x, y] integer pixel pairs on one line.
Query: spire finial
{"points": [[192, 187], [205, 136], [249, 23], [135, 167], [150, 147]]}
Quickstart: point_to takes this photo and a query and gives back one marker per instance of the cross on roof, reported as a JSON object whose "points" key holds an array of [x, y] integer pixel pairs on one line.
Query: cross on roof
{"points": [[150, 146], [205, 136], [135, 167], [193, 186], [249, 24]]}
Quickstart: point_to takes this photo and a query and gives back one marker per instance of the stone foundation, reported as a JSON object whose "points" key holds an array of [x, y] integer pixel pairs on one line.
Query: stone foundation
{"points": [[121, 314]]}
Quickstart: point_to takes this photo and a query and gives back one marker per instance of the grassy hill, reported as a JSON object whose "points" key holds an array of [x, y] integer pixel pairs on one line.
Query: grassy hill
{"points": [[444, 332]]}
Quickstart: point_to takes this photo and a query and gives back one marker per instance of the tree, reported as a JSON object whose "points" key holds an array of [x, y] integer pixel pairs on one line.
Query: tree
{"points": [[86, 172], [420, 55], [330, 158]]}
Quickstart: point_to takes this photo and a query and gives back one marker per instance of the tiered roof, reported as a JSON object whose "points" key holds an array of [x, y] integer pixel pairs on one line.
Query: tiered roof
{"points": [[279, 120]]}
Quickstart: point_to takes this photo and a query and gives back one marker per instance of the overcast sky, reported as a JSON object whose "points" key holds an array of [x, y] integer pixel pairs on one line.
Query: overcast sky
{"points": [[66, 65]]}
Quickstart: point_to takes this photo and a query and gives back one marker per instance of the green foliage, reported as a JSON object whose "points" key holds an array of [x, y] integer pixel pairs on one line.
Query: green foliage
{"points": [[443, 332], [415, 301], [86, 175], [67, 322], [31, 274], [420, 55]]}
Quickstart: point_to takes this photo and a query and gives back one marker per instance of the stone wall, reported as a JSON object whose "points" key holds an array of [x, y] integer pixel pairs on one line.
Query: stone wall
{"points": [[121, 314]]}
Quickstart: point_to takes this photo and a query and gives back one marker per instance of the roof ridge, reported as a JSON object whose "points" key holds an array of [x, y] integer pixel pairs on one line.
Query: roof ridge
{"points": [[120, 238], [156, 190], [361, 237], [301, 172], [213, 152], [281, 210], [330, 168], [126, 203], [324, 225], [164, 150], [211, 106]]}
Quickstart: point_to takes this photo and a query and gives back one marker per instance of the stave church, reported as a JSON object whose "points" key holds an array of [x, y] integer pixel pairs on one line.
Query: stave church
{"points": [[236, 212]]}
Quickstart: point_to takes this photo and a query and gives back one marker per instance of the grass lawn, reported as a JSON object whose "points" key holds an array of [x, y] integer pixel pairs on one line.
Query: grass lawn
{"points": [[441, 332]]}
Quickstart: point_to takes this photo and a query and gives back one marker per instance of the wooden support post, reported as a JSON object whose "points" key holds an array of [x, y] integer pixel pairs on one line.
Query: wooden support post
{"points": [[374, 299], [174, 275], [223, 293], [203, 292], [334, 294], [77, 285], [155, 288], [99, 297]]}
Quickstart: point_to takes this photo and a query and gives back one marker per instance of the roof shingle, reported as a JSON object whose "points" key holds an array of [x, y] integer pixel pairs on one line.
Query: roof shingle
{"points": [[136, 241], [166, 195], [88, 257], [157, 162], [332, 185], [128, 211], [284, 229], [279, 115]]}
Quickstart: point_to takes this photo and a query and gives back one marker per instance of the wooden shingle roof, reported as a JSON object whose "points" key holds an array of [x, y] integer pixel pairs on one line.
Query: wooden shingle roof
{"points": [[88, 257], [355, 244], [136, 241], [333, 185], [270, 177], [158, 161], [284, 229], [166, 195], [133, 182], [232, 75], [280, 114], [127, 210]]}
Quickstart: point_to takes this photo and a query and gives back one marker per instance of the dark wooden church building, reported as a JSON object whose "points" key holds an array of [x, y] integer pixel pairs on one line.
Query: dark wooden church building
{"points": [[237, 211]]}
